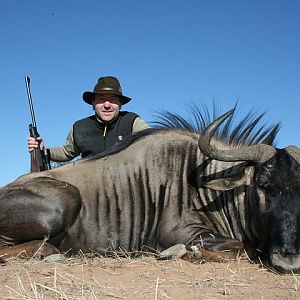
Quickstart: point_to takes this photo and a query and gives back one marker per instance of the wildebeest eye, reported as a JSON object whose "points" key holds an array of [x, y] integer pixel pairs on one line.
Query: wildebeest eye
{"points": [[262, 179]]}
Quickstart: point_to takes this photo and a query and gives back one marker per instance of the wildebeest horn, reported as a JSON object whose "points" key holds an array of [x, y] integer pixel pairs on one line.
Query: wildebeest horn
{"points": [[256, 153], [294, 151]]}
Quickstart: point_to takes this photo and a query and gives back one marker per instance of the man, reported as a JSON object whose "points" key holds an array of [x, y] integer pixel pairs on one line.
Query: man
{"points": [[100, 131]]}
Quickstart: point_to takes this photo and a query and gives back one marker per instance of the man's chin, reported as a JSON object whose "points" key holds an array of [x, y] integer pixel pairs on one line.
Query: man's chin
{"points": [[107, 117]]}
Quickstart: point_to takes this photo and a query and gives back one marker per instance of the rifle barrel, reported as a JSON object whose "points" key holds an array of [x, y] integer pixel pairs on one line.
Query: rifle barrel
{"points": [[27, 82]]}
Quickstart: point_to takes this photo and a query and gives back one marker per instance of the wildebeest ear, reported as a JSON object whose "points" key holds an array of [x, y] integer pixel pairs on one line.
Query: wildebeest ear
{"points": [[226, 184]]}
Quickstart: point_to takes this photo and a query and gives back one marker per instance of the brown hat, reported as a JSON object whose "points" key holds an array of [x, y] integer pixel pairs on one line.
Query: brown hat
{"points": [[106, 85]]}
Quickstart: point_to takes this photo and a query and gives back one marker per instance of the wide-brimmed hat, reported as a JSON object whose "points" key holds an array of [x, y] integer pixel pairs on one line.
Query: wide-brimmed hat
{"points": [[106, 85]]}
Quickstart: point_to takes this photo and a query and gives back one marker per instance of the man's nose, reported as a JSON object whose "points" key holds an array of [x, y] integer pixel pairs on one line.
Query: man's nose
{"points": [[107, 103]]}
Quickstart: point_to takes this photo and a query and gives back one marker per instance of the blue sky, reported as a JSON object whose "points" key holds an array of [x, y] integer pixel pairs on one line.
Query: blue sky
{"points": [[166, 53]]}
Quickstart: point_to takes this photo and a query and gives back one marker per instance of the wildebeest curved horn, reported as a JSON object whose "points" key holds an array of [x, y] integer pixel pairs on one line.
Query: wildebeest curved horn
{"points": [[256, 153]]}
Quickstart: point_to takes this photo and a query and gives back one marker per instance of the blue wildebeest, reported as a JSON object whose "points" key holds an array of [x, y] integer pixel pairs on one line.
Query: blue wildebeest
{"points": [[166, 187]]}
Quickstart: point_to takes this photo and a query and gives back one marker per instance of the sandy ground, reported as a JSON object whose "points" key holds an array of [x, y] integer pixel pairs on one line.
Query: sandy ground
{"points": [[143, 278]]}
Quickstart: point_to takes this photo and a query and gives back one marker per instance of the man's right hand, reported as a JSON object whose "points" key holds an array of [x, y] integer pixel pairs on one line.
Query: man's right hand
{"points": [[34, 143]]}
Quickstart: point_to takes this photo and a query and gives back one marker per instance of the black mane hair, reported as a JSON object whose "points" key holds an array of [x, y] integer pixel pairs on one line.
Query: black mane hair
{"points": [[246, 131]]}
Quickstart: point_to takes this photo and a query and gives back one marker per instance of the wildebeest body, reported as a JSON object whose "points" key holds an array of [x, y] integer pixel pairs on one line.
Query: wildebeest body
{"points": [[159, 191], [139, 197]]}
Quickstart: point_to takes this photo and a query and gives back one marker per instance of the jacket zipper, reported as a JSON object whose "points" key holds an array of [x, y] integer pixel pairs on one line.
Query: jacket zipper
{"points": [[104, 131]]}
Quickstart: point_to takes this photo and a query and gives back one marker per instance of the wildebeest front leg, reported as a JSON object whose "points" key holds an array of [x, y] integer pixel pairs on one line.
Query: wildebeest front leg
{"points": [[214, 247], [196, 235], [34, 210], [217, 250]]}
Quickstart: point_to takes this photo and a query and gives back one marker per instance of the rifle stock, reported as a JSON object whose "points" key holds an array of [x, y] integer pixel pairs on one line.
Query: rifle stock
{"points": [[38, 159]]}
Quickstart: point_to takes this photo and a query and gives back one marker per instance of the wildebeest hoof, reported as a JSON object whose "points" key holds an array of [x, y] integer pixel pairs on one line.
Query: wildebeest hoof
{"points": [[197, 254], [38, 256], [176, 251], [55, 258], [2, 262], [202, 255]]}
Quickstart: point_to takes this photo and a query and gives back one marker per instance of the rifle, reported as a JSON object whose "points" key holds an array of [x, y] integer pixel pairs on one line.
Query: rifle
{"points": [[39, 158]]}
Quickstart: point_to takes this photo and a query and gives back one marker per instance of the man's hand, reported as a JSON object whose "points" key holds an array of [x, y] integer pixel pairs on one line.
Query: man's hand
{"points": [[34, 143]]}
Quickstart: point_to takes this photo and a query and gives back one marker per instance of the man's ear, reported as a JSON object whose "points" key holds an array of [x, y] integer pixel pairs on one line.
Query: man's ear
{"points": [[226, 184]]}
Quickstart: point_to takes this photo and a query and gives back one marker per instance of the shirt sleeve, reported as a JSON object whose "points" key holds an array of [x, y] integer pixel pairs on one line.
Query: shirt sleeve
{"points": [[139, 124], [66, 152]]}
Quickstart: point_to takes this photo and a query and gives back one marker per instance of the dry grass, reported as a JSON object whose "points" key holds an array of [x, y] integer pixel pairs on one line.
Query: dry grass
{"points": [[86, 277]]}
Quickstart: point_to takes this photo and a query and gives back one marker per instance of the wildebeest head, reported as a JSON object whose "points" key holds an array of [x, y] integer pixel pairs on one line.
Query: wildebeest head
{"points": [[275, 174], [279, 179]]}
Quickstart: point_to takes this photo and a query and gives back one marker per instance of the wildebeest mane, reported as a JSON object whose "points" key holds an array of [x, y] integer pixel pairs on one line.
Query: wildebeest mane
{"points": [[247, 131]]}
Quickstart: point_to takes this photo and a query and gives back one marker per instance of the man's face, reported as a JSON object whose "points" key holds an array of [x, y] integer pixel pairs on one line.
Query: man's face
{"points": [[107, 106]]}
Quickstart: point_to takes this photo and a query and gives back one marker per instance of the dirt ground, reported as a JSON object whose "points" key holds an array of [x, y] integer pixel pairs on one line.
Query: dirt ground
{"points": [[143, 278]]}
